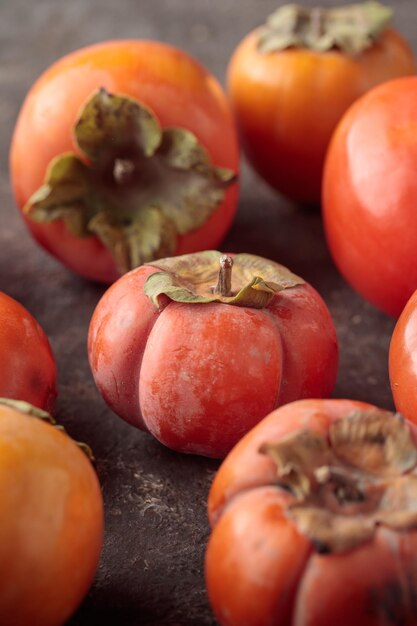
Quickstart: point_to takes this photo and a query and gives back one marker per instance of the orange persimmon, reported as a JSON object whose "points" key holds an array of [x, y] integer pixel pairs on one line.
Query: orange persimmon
{"points": [[291, 80], [27, 365], [370, 194], [198, 356], [51, 529], [403, 361], [123, 152], [314, 520]]}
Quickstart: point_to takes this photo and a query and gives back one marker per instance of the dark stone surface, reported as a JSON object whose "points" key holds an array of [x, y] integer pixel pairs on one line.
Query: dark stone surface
{"points": [[151, 570]]}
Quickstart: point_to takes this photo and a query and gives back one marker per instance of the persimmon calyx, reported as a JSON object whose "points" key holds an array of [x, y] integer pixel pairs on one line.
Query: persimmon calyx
{"points": [[138, 186], [350, 29], [29, 409], [201, 278], [361, 475]]}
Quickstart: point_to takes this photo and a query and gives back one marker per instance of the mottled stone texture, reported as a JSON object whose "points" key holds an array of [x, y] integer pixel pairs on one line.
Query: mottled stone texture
{"points": [[151, 571]]}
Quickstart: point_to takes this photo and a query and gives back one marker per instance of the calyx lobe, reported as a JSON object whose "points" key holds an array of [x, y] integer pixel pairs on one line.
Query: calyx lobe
{"points": [[350, 29], [29, 409], [194, 278]]}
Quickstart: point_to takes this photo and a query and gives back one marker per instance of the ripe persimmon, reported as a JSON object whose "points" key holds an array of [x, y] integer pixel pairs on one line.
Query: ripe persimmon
{"points": [[291, 80], [124, 152], [27, 365], [51, 529], [198, 356], [314, 520]]}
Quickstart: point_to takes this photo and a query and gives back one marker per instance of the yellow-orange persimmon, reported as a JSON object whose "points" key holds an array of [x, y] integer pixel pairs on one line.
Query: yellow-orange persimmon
{"points": [[291, 80], [51, 527]]}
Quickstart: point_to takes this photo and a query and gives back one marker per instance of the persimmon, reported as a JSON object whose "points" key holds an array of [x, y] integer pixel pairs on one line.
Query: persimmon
{"points": [[197, 349], [370, 193], [403, 361], [314, 521], [291, 80], [27, 365], [136, 157], [51, 527]]}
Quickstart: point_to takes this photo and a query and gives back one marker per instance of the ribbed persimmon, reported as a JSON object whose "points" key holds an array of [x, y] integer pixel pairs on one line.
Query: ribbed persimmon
{"points": [[198, 359], [314, 522]]}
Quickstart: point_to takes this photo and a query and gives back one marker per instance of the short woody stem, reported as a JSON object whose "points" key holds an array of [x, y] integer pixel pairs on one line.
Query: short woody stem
{"points": [[224, 284], [123, 171]]}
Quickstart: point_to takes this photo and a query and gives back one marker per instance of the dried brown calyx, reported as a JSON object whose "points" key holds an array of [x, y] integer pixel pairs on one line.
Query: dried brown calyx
{"points": [[350, 29], [29, 409], [362, 475], [139, 187], [209, 276]]}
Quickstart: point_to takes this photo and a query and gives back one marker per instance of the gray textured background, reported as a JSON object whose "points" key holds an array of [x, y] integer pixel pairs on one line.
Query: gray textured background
{"points": [[151, 570]]}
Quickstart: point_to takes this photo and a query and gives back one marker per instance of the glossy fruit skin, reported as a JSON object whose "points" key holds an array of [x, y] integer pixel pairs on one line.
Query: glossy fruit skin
{"points": [[27, 365], [287, 104], [369, 195], [199, 376], [403, 361], [261, 571], [174, 86], [52, 522]]}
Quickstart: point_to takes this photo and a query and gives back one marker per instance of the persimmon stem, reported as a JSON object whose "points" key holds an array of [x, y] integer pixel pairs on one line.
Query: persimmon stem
{"points": [[123, 170], [224, 283]]}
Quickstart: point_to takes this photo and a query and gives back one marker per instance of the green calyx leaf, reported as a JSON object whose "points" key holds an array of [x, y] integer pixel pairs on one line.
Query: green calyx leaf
{"points": [[65, 195], [195, 278], [138, 189], [110, 123], [29, 409], [350, 29]]}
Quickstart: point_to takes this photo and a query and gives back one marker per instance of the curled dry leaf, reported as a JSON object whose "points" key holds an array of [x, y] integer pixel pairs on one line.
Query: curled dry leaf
{"points": [[361, 475]]}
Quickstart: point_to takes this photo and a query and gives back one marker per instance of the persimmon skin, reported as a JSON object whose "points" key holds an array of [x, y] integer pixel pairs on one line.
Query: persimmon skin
{"points": [[369, 195], [253, 541], [403, 361], [199, 376], [199, 388], [174, 86], [288, 103], [250, 594], [116, 341], [369, 586], [52, 522], [27, 365]]}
